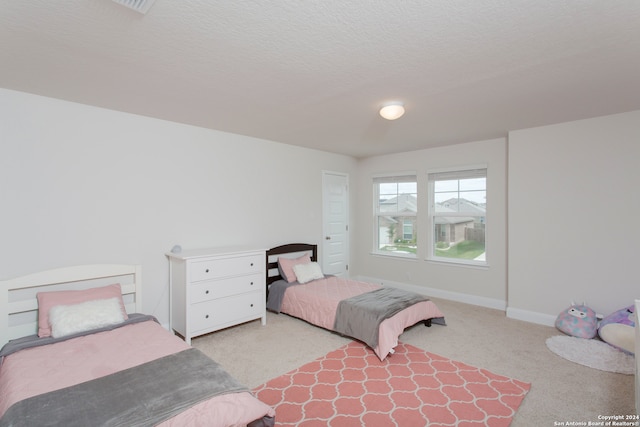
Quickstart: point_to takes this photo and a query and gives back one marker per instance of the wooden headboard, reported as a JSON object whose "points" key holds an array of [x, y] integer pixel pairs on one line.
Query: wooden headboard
{"points": [[19, 305], [292, 250]]}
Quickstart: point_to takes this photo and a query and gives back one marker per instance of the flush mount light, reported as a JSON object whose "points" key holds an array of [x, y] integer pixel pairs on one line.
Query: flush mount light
{"points": [[392, 110]]}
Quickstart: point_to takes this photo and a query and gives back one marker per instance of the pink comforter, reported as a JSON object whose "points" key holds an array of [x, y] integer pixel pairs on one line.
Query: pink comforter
{"points": [[41, 369], [317, 303]]}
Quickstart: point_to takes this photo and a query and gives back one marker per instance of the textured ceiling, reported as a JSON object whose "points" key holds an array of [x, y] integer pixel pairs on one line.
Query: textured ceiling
{"points": [[314, 73]]}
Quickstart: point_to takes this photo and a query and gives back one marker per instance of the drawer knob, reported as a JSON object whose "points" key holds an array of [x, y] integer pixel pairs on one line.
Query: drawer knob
{"points": [[206, 317], [251, 264], [251, 305], [251, 283], [207, 291], [207, 270]]}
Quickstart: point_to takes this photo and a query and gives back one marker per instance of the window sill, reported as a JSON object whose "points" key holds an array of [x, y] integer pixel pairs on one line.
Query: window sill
{"points": [[478, 266], [395, 255]]}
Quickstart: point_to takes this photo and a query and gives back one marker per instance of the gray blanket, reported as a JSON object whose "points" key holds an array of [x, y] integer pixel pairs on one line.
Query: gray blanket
{"points": [[144, 395], [360, 316], [276, 294]]}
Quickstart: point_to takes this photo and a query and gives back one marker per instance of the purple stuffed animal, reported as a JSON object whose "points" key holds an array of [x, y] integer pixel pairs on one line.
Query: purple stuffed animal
{"points": [[617, 329]]}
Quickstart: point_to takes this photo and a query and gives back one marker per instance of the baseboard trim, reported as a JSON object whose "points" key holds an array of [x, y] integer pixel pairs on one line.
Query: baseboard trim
{"points": [[512, 313], [531, 316], [440, 293]]}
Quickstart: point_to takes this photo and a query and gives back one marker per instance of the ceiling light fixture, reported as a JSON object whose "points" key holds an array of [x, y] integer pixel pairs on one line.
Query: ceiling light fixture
{"points": [[392, 110]]}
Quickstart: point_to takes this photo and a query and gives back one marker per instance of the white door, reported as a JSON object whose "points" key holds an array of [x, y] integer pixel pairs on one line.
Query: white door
{"points": [[335, 219]]}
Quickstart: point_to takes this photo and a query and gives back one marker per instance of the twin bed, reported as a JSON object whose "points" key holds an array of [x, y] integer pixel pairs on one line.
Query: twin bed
{"points": [[89, 365], [79, 353], [368, 312]]}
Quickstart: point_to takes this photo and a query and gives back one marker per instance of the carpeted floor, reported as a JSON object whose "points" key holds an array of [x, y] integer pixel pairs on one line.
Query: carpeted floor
{"points": [[561, 390], [350, 386]]}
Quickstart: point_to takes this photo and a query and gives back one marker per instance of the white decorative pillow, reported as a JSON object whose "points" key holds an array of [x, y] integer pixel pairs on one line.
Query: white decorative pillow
{"points": [[47, 300], [308, 272], [88, 315]]}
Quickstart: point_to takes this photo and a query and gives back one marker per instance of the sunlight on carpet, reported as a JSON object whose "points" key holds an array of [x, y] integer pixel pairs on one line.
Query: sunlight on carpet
{"points": [[351, 386]]}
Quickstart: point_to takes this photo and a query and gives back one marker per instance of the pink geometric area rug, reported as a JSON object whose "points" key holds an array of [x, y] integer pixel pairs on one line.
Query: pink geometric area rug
{"points": [[350, 386]]}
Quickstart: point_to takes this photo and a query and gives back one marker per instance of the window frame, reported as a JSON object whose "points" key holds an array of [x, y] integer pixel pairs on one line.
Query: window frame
{"points": [[409, 177], [460, 172]]}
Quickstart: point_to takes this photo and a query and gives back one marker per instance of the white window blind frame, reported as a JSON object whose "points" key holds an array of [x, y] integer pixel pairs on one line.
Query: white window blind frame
{"points": [[390, 179], [458, 174]]}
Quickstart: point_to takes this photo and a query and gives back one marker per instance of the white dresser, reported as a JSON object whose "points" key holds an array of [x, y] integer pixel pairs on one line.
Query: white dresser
{"points": [[214, 288]]}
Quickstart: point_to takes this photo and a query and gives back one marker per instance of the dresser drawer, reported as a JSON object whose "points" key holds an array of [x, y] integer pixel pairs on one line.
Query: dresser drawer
{"points": [[212, 289], [226, 267], [226, 311]]}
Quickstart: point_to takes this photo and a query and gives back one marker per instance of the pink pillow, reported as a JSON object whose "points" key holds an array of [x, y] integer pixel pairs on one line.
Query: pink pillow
{"points": [[286, 266], [48, 300]]}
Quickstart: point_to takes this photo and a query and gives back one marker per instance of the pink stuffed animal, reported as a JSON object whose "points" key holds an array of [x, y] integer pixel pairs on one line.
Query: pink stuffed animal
{"points": [[578, 321]]}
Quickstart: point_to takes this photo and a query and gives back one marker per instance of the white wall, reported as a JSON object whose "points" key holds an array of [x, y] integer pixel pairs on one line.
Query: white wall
{"points": [[81, 185], [482, 286], [574, 204]]}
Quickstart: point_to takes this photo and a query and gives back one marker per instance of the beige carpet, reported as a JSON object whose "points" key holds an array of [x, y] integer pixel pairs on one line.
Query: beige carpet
{"points": [[560, 390]]}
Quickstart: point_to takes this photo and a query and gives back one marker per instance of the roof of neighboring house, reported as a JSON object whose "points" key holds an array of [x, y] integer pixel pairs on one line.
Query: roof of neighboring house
{"points": [[464, 205], [453, 219], [404, 203], [408, 203], [457, 205]]}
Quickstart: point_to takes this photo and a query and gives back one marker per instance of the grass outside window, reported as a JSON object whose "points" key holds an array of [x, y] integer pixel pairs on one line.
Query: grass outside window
{"points": [[467, 249]]}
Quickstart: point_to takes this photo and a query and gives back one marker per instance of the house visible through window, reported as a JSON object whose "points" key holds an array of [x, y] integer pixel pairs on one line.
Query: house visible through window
{"points": [[458, 216], [396, 210]]}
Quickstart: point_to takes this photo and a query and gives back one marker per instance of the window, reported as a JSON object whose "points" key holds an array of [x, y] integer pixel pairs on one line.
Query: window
{"points": [[458, 216], [395, 210], [407, 231]]}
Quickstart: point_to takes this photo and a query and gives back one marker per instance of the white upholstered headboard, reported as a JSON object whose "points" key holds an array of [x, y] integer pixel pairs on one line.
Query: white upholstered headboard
{"points": [[19, 306]]}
